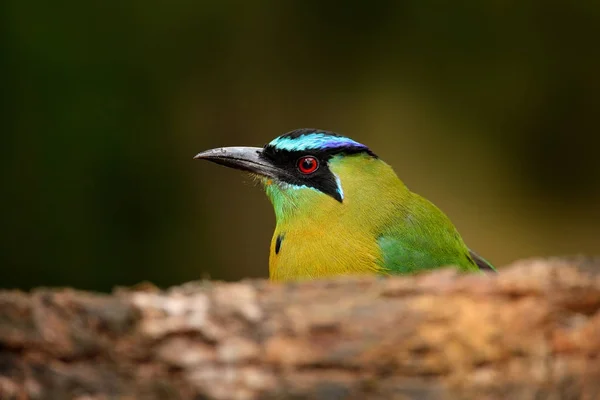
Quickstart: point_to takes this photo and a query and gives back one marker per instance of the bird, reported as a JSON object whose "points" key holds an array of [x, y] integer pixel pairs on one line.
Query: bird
{"points": [[341, 210]]}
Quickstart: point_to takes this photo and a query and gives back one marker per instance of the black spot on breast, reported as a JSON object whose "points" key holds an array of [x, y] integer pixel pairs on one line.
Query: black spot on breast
{"points": [[278, 243]]}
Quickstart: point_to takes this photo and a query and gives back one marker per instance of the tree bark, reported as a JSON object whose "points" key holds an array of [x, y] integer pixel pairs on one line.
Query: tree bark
{"points": [[530, 332]]}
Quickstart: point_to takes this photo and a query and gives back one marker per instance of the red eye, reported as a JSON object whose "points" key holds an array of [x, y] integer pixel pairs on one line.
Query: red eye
{"points": [[308, 164]]}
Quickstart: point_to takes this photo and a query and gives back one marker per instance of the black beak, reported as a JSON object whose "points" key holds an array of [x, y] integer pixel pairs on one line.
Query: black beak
{"points": [[243, 158]]}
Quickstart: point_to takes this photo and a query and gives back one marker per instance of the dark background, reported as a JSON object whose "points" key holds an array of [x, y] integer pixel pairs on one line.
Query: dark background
{"points": [[489, 109]]}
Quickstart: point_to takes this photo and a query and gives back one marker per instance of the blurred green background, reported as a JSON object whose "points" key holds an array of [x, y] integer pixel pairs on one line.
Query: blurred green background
{"points": [[489, 109]]}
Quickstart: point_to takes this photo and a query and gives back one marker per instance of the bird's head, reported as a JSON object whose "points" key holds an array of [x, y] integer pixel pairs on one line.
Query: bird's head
{"points": [[301, 164]]}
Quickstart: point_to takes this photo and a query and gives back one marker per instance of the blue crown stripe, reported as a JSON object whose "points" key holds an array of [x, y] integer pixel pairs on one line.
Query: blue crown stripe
{"points": [[314, 141]]}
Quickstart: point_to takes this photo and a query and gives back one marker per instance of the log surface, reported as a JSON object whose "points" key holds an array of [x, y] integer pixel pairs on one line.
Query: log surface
{"points": [[530, 332]]}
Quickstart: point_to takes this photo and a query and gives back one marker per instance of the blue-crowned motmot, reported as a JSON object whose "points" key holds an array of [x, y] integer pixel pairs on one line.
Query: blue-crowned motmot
{"points": [[341, 210]]}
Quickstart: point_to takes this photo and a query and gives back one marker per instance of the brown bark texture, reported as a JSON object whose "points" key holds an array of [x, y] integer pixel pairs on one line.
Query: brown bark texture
{"points": [[530, 332]]}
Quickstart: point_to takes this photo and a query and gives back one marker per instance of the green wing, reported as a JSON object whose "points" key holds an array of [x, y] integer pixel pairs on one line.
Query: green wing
{"points": [[420, 237], [406, 255]]}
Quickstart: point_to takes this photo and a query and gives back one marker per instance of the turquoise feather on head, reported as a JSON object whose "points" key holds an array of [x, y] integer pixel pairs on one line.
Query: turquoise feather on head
{"points": [[314, 139]]}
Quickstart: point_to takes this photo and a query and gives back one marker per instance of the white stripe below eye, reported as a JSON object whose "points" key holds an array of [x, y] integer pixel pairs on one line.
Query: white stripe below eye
{"points": [[339, 186]]}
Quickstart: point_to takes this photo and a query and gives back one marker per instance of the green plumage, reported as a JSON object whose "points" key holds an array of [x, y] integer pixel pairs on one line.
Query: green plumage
{"points": [[423, 238]]}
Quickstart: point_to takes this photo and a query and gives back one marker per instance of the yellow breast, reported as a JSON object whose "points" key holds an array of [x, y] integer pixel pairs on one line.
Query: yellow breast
{"points": [[310, 251], [320, 237]]}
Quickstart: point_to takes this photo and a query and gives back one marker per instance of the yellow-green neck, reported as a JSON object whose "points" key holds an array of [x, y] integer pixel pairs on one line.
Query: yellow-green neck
{"points": [[321, 237]]}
